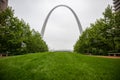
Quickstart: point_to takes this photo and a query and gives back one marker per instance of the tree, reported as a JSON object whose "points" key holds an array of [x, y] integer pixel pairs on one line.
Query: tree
{"points": [[35, 43], [15, 35], [102, 36]]}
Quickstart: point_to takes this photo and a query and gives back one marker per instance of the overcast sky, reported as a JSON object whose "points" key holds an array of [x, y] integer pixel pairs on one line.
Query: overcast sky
{"points": [[61, 31]]}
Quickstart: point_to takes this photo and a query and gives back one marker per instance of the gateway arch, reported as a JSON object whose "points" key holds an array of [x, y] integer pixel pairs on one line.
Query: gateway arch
{"points": [[75, 15]]}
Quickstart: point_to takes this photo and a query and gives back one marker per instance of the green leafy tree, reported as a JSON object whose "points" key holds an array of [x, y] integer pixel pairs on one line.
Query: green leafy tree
{"points": [[35, 43], [102, 36], [15, 35]]}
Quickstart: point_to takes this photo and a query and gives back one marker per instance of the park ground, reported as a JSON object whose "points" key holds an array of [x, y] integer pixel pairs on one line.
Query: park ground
{"points": [[59, 66]]}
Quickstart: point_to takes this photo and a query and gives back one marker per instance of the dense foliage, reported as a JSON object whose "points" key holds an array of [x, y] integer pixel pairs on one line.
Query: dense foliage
{"points": [[101, 37], [16, 36]]}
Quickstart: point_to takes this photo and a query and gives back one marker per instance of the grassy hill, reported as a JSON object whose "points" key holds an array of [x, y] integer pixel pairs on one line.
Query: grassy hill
{"points": [[58, 66]]}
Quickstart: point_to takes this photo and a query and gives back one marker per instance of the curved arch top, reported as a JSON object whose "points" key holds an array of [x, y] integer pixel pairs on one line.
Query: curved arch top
{"points": [[46, 20]]}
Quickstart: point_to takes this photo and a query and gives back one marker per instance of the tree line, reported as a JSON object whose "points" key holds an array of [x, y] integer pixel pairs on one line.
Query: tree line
{"points": [[103, 36], [16, 37]]}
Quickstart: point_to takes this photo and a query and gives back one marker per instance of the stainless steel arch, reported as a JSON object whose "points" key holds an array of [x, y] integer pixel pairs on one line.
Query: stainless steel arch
{"points": [[46, 20]]}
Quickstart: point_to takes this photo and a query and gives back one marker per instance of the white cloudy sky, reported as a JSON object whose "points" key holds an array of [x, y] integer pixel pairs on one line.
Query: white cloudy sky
{"points": [[61, 31]]}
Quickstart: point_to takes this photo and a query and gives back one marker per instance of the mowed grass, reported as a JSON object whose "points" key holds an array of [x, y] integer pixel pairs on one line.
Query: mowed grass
{"points": [[59, 66]]}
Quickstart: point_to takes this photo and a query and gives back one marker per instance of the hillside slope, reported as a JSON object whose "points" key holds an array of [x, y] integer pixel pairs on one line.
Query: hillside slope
{"points": [[58, 66]]}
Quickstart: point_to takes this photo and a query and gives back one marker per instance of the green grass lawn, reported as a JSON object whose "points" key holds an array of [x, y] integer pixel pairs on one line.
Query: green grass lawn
{"points": [[59, 66]]}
